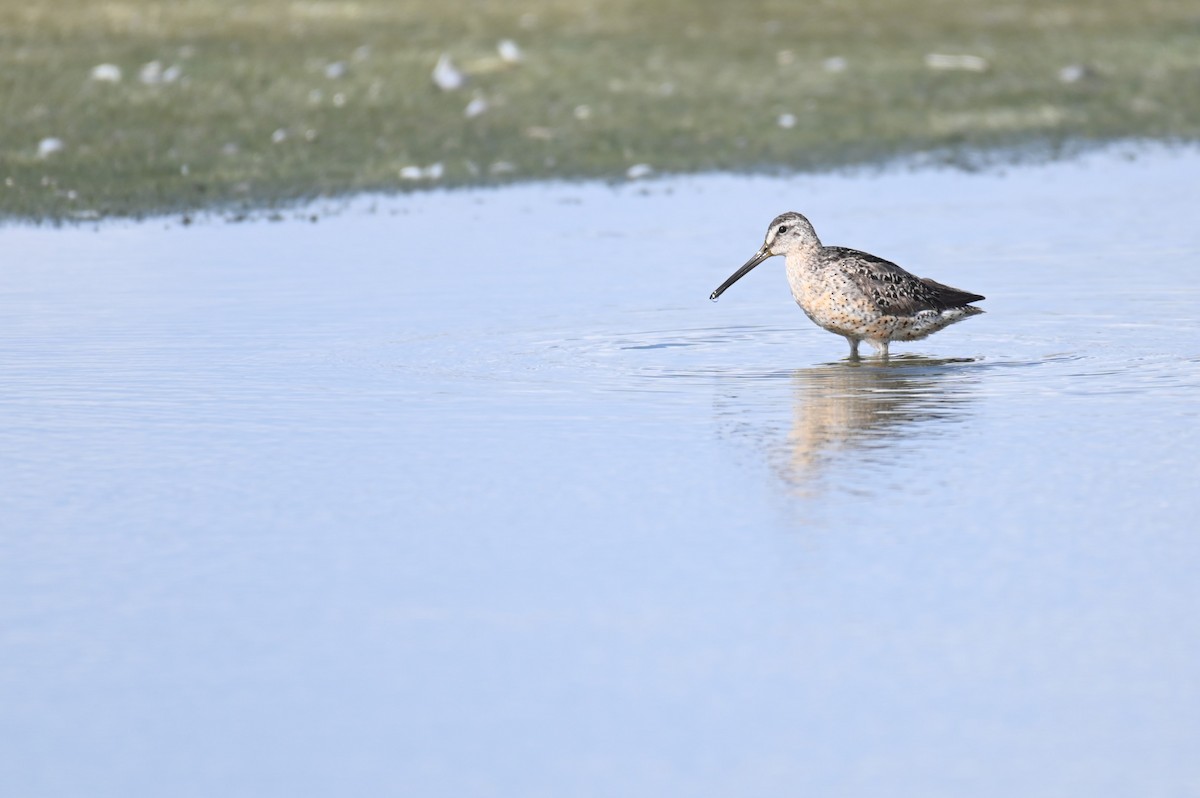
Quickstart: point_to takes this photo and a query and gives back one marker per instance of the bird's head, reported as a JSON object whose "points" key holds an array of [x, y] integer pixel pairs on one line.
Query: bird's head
{"points": [[788, 231]]}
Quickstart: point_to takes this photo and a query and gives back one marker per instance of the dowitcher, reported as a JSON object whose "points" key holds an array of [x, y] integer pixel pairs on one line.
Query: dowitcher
{"points": [[854, 294]]}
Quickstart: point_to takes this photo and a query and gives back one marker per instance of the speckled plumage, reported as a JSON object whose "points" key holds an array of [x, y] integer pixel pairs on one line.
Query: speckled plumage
{"points": [[854, 294]]}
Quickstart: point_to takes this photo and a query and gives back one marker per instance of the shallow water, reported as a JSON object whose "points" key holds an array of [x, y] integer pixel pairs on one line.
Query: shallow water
{"points": [[475, 493]]}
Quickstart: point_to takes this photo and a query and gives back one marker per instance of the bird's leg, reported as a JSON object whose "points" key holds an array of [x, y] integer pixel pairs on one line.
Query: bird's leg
{"points": [[853, 347], [883, 350]]}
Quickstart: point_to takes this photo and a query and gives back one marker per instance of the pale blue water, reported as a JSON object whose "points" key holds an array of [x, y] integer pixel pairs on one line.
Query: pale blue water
{"points": [[476, 494]]}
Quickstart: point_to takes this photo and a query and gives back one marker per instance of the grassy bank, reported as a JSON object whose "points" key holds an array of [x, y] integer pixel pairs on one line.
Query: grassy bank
{"points": [[258, 103]]}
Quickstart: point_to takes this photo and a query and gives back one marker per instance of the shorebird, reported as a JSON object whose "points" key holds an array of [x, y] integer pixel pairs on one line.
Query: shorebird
{"points": [[853, 294]]}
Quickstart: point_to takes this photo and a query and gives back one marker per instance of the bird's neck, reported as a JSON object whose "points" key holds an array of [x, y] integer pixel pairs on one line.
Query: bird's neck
{"points": [[804, 255], [802, 264]]}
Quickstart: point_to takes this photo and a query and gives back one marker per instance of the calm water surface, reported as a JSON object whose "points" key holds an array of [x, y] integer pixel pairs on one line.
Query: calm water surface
{"points": [[476, 494]]}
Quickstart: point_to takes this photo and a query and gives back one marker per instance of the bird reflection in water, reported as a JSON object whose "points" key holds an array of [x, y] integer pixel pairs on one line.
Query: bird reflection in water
{"points": [[855, 413]]}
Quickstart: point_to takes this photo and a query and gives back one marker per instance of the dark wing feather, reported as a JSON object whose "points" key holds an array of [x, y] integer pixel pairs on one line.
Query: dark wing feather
{"points": [[893, 290], [952, 297]]}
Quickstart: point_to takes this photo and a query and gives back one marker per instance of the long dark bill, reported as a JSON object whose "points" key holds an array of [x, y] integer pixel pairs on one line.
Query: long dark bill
{"points": [[758, 258]]}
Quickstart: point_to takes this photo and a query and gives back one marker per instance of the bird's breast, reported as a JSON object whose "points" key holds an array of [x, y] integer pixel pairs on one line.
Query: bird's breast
{"points": [[816, 289], [829, 297]]}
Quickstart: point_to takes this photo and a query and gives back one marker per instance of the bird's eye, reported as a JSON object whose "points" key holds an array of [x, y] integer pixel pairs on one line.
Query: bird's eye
{"points": [[782, 229]]}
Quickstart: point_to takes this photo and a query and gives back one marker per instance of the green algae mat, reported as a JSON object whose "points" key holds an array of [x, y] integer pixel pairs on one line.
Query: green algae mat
{"points": [[136, 108]]}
